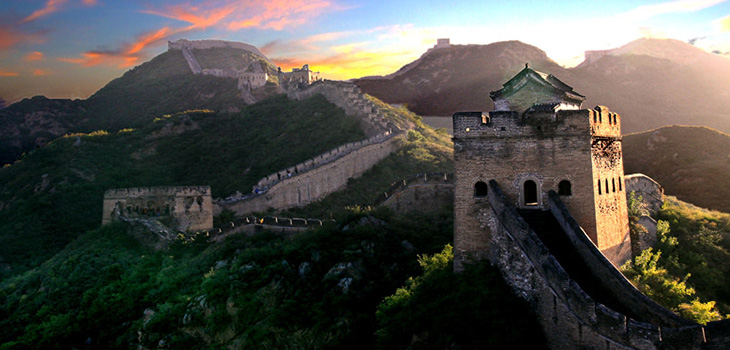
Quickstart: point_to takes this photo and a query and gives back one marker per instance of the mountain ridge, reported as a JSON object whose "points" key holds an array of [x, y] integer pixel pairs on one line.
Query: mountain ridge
{"points": [[650, 91]]}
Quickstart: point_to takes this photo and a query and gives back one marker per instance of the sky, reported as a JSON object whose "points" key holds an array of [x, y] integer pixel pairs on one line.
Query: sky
{"points": [[72, 48]]}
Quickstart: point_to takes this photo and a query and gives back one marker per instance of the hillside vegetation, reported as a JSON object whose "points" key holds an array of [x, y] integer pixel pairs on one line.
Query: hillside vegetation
{"points": [[689, 162], [688, 269], [318, 289], [55, 193], [163, 85]]}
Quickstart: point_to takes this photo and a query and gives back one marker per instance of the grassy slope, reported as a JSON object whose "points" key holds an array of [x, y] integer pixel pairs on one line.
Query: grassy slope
{"points": [[689, 162], [55, 193]]}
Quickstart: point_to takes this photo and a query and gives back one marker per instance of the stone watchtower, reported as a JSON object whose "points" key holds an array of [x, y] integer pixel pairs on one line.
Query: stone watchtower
{"points": [[539, 139]]}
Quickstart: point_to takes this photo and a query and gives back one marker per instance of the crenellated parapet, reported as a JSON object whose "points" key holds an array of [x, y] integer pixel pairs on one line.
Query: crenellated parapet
{"points": [[186, 207]]}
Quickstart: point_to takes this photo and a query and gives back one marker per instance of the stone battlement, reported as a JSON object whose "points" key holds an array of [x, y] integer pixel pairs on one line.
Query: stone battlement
{"points": [[535, 122], [140, 192], [188, 207]]}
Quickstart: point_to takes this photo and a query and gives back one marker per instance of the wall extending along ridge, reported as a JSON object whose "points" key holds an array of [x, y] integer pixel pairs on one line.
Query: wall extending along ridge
{"points": [[350, 98], [316, 183], [212, 44]]}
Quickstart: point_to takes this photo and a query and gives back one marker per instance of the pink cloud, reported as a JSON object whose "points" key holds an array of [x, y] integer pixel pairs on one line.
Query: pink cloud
{"points": [[33, 56], [50, 7], [10, 37], [41, 72], [127, 56], [239, 14]]}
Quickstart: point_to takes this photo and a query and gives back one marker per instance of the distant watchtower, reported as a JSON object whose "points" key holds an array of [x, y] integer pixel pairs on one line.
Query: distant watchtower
{"points": [[539, 139]]}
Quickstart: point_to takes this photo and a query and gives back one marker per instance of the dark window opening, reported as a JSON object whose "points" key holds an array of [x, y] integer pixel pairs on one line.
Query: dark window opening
{"points": [[480, 189], [530, 192], [613, 184], [599, 186], [565, 188], [620, 188], [595, 118], [606, 185]]}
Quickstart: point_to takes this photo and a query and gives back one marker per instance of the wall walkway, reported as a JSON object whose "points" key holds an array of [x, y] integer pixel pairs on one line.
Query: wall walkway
{"points": [[570, 317]]}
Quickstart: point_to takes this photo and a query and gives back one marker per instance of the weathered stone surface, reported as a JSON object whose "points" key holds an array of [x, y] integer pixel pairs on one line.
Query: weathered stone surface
{"points": [[650, 191], [581, 147], [190, 208]]}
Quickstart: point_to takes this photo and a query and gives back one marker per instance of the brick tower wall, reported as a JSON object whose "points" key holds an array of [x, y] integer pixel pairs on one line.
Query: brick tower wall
{"points": [[609, 187], [545, 147]]}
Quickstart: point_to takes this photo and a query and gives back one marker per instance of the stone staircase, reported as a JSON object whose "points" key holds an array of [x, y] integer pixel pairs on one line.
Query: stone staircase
{"points": [[353, 101]]}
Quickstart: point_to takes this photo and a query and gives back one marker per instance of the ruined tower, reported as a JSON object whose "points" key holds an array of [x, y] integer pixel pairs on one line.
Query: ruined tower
{"points": [[539, 139]]}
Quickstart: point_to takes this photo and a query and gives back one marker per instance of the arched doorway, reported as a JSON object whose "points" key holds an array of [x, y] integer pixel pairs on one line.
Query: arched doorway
{"points": [[565, 188], [529, 193]]}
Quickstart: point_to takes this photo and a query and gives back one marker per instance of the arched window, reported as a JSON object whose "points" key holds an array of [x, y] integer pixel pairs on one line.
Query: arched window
{"points": [[565, 188], [480, 189], [530, 193]]}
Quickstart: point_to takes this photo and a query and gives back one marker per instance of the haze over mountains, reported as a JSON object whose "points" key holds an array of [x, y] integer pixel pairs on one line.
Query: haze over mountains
{"points": [[650, 82]]}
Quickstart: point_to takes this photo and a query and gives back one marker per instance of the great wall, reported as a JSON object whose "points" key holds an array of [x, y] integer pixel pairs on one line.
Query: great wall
{"points": [[324, 174], [581, 300]]}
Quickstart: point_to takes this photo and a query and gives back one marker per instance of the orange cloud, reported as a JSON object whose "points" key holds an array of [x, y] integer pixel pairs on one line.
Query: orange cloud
{"points": [[10, 37], [89, 2], [33, 56], [239, 14], [51, 7], [41, 72], [4, 73], [147, 39], [127, 56], [95, 58], [190, 15]]}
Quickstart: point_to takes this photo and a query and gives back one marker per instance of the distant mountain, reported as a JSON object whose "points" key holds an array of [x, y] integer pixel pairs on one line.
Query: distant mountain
{"points": [[689, 162], [650, 82], [457, 78], [161, 86]]}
